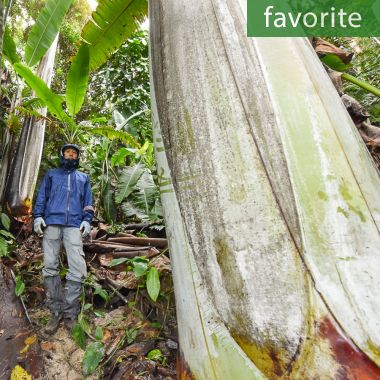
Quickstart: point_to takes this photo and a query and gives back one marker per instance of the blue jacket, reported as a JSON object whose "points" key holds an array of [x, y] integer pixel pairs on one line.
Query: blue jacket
{"points": [[65, 198]]}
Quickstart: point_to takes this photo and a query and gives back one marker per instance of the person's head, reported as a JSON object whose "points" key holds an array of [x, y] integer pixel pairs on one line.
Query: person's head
{"points": [[70, 156]]}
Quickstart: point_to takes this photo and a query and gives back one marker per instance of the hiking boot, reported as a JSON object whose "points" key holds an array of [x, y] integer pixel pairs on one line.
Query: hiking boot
{"points": [[52, 325], [69, 324]]}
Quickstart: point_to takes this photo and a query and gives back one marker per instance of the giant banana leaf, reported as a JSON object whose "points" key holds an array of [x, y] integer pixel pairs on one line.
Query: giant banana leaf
{"points": [[52, 100], [23, 172], [45, 30], [9, 47], [77, 80], [112, 23], [270, 199]]}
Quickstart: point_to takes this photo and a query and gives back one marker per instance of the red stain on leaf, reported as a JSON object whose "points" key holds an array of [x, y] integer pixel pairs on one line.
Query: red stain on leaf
{"points": [[355, 364]]}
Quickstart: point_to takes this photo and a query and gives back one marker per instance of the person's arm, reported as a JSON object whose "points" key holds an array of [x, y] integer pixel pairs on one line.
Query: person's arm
{"points": [[42, 197], [88, 209]]}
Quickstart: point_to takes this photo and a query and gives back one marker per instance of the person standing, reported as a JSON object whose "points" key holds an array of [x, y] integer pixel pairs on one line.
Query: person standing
{"points": [[63, 211]]}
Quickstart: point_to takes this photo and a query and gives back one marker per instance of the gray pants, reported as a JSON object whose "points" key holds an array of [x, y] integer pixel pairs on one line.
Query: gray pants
{"points": [[72, 240], [63, 302]]}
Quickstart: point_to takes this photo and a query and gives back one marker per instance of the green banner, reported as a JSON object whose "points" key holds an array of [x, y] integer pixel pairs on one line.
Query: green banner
{"points": [[313, 18]]}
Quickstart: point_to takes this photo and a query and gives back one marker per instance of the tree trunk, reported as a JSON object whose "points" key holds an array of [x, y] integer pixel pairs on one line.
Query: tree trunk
{"points": [[23, 173], [271, 202]]}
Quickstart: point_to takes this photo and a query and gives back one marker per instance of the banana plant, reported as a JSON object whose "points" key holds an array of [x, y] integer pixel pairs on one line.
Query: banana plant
{"points": [[270, 199], [21, 176], [113, 22]]}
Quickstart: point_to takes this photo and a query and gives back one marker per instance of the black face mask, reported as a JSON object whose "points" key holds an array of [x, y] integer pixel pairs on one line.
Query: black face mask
{"points": [[69, 164]]}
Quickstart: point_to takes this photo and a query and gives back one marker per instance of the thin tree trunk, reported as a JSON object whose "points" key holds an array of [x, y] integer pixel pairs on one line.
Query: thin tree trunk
{"points": [[273, 211]]}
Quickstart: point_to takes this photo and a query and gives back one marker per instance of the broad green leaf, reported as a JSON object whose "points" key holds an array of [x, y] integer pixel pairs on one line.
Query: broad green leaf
{"points": [[93, 355], [139, 269], [3, 247], [99, 313], [20, 286], [115, 262], [45, 29], [9, 47], [84, 323], [139, 259], [153, 283], [77, 80], [87, 306], [112, 23], [118, 158], [5, 221], [33, 103], [334, 62], [102, 293], [6, 234], [99, 333], [79, 336], [108, 203], [147, 192], [51, 99], [130, 209], [127, 181], [155, 354]]}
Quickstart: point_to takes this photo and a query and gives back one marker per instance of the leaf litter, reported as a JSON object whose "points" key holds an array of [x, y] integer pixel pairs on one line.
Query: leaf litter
{"points": [[127, 327]]}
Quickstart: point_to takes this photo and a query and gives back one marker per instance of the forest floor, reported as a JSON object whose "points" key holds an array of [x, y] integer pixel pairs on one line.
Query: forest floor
{"points": [[122, 333]]}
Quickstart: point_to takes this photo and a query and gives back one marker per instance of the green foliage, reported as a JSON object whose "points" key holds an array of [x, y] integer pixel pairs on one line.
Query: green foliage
{"points": [[365, 66], [153, 283], [79, 336], [5, 221], [52, 100], [122, 85], [9, 47], [335, 62], [140, 194], [92, 357], [113, 134], [127, 181], [45, 29], [113, 22], [157, 356], [102, 293], [141, 269], [99, 333], [77, 80], [6, 238], [20, 286], [110, 211]]}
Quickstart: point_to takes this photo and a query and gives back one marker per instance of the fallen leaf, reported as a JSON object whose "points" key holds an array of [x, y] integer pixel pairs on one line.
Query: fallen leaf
{"points": [[19, 373], [26, 348], [31, 339], [48, 346]]}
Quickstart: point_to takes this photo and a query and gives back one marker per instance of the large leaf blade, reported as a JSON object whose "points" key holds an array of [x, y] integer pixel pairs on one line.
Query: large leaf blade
{"points": [[77, 80], [45, 29], [108, 203], [113, 22], [9, 48], [93, 355], [127, 181], [51, 99]]}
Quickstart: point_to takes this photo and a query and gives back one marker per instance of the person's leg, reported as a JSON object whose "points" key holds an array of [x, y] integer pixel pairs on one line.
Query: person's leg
{"points": [[72, 240], [52, 282]]}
